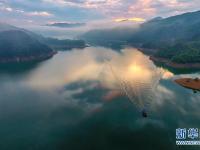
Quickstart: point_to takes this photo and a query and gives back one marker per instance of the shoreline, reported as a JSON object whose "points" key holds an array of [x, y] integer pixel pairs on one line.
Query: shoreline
{"points": [[167, 62], [147, 51], [27, 59], [193, 84], [66, 48]]}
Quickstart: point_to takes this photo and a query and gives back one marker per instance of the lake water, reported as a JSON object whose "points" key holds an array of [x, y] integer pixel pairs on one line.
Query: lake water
{"points": [[74, 101]]}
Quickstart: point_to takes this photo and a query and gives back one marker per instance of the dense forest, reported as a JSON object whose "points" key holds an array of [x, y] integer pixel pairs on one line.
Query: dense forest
{"points": [[181, 52]]}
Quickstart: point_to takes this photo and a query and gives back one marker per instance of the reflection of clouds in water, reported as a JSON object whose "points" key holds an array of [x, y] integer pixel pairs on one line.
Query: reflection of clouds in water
{"points": [[70, 66], [45, 105], [135, 75], [31, 102], [73, 96], [193, 103], [130, 65], [163, 95], [76, 65], [188, 107], [181, 104], [19, 101], [89, 65]]}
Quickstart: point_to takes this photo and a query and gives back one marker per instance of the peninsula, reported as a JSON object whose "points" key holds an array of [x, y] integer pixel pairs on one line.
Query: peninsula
{"points": [[189, 83]]}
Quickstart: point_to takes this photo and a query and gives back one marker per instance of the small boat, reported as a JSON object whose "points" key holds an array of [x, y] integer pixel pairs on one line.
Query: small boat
{"points": [[189, 83], [144, 113]]}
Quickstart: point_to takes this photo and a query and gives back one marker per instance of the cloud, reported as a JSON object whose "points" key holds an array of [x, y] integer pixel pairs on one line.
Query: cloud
{"points": [[41, 13], [90, 11], [65, 24], [9, 9], [129, 8], [111, 8], [5, 8], [130, 19], [142, 8]]}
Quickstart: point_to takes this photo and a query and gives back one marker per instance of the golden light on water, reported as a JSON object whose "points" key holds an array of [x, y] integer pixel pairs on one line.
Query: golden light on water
{"points": [[135, 68], [78, 65], [138, 72], [132, 67]]}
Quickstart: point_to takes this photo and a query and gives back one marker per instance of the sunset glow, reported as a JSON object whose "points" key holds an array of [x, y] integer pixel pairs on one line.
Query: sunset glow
{"points": [[129, 20]]}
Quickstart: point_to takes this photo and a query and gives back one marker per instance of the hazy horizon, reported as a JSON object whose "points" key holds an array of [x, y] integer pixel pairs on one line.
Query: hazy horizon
{"points": [[91, 14]]}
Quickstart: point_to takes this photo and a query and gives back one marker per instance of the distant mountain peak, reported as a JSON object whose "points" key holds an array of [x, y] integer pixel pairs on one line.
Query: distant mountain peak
{"points": [[155, 19], [20, 45], [6, 27]]}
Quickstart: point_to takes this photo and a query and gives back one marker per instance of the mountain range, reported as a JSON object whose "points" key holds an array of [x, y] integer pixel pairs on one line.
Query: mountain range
{"points": [[21, 45], [174, 39]]}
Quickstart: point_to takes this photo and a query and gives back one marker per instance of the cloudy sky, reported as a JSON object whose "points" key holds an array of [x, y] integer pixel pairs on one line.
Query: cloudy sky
{"points": [[42, 12]]}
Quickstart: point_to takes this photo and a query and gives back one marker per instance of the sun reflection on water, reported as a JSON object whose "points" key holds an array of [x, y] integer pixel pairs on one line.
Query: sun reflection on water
{"points": [[86, 65]]}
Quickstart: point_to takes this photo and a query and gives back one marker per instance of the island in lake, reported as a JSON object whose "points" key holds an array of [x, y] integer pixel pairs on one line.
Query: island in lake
{"points": [[189, 83]]}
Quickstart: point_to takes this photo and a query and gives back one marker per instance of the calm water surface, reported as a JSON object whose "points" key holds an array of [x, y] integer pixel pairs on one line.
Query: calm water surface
{"points": [[72, 101]]}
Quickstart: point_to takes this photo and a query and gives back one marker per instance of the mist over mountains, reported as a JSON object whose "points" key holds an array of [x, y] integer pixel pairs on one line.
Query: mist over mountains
{"points": [[169, 30], [179, 33], [175, 38], [21, 45], [165, 30]]}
